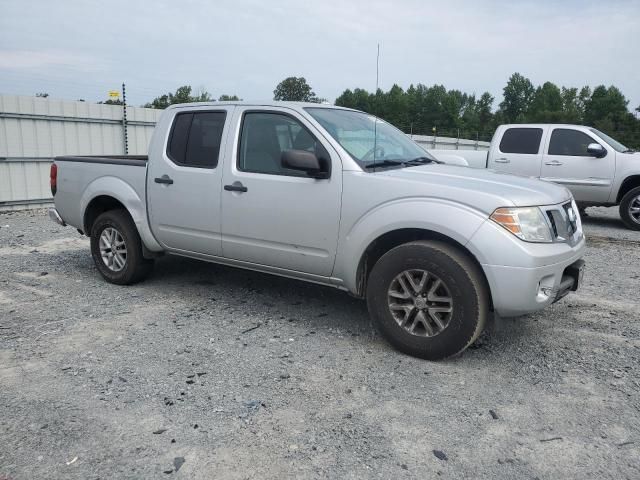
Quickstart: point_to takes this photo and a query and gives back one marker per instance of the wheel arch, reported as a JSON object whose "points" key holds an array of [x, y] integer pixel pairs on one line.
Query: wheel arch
{"points": [[96, 207], [627, 185], [394, 238], [109, 193]]}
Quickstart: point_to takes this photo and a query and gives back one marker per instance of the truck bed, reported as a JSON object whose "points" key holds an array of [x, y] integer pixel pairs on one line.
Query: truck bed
{"points": [[80, 178]]}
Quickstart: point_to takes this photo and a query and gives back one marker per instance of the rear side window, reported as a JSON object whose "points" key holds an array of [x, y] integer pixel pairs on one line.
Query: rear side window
{"points": [[569, 142], [195, 139], [521, 140]]}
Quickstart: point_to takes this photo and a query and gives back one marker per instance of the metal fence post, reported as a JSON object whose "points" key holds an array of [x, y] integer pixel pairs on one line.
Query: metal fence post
{"points": [[124, 120]]}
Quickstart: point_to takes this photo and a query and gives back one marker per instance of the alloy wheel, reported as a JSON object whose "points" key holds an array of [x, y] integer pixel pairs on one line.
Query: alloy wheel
{"points": [[420, 302], [113, 249]]}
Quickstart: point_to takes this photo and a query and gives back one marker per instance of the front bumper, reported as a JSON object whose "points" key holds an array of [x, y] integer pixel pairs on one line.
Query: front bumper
{"points": [[519, 290], [55, 216], [526, 277]]}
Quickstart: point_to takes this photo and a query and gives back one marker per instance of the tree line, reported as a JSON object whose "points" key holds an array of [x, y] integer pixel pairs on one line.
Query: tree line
{"points": [[427, 110]]}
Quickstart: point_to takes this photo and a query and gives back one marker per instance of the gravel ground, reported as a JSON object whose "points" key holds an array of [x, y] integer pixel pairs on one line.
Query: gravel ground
{"points": [[205, 371]]}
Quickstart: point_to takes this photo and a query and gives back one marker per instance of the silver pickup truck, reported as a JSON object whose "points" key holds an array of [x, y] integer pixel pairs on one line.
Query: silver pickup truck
{"points": [[336, 197]]}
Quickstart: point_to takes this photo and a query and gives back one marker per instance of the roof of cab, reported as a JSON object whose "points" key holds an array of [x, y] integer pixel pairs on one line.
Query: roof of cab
{"points": [[268, 103]]}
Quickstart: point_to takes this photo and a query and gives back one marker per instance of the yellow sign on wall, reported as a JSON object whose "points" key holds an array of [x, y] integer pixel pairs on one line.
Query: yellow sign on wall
{"points": [[114, 94]]}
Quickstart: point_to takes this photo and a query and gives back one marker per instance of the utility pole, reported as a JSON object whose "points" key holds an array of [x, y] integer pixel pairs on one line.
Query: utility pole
{"points": [[124, 120]]}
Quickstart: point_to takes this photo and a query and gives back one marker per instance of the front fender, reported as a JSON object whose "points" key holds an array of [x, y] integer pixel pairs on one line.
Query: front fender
{"points": [[123, 192], [453, 220]]}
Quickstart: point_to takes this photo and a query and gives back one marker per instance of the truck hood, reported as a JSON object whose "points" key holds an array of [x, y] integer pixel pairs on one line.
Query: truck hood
{"points": [[482, 189]]}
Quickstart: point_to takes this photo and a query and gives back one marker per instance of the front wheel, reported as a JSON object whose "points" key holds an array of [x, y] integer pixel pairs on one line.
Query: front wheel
{"points": [[116, 248], [630, 209], [428, 299]]}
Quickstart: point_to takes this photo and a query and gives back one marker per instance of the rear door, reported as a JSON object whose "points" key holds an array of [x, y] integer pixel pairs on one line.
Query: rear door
{"points": [[184, 182], [567, 162], [518, 152], [271, 215]]}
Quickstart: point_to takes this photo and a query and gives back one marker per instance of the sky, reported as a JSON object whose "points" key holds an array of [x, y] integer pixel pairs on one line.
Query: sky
{"points": [[76, 49]]}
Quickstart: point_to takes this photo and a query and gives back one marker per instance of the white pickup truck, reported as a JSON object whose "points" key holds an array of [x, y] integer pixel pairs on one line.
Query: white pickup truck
{"points": [[598, 170], [336, 197]]}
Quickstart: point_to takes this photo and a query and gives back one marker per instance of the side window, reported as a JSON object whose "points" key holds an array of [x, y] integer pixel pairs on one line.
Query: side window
{"points": [[521, 140], [195, 139], [569, 142], [265, 136]]}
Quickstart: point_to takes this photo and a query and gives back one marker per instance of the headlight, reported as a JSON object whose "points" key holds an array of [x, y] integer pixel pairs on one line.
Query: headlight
{"points": [[526, 223]]}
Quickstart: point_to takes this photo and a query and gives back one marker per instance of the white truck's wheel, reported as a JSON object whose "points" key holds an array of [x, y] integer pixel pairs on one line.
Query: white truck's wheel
{"points": [[630, 209]]}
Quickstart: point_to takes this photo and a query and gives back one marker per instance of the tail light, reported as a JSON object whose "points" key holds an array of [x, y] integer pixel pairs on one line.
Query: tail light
{"points": [[53, 178]]}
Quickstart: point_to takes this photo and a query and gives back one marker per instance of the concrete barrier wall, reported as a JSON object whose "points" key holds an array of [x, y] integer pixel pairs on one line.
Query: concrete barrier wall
{"points": [[34, 130]]}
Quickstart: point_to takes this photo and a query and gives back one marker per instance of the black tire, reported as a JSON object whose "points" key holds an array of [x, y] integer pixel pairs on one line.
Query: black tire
{"points": [[464, 281], [136, 267], [631, 196]]}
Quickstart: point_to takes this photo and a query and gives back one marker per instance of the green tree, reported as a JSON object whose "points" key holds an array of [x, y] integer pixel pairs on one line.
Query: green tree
{"points": [[229, 98], [182, 95], [42, 94], [484, 110], [518, 94], [294, 89], [117, 101], [546, 105], [605, 102]]}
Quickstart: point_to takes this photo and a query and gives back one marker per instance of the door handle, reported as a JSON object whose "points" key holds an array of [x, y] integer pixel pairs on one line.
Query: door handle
{"points": [[553, 163], [164, 179], [502, 160], [235, 187]]}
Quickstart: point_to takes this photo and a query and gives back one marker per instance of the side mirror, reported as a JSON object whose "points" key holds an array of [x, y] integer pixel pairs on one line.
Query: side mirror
{"points": [[304, 161], [596, 150]]}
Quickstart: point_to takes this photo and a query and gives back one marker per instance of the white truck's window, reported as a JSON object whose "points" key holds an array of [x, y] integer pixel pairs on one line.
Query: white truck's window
{"points": [[521, 140], [569, 142], [266, 135], [195, 139]]}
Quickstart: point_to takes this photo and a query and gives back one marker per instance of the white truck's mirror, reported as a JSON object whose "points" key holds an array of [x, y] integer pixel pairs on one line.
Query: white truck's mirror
{"points": [[596, 150]]}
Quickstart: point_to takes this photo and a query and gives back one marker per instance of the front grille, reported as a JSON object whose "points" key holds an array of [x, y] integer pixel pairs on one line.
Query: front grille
{"points": [[563, 221]]}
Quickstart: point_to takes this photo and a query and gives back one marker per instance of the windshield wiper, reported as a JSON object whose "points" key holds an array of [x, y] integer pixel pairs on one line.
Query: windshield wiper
{"points": [[384, 163], [403, 163], [422, 161], [629, 150]]}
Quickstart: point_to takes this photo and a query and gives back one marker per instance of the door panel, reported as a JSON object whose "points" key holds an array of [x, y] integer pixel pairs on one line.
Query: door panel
{"points": [[271, 215], [184, 182], [519, 152], [567, 162]]}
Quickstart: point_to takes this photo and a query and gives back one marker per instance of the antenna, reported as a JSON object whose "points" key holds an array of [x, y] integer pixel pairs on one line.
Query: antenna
{"points": [[375, 109]]}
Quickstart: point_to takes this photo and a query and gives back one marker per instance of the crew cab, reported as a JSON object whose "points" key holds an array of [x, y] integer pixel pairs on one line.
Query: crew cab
{"points": [[336, 197], [598, 170]]}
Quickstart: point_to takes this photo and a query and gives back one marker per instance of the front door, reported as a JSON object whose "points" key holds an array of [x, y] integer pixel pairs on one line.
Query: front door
{"points": [[271, 215], [567, 162], [184, 182]]}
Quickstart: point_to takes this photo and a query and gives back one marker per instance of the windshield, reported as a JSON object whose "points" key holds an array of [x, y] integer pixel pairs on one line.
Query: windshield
{"points": [[617, 146], [369, 140]]}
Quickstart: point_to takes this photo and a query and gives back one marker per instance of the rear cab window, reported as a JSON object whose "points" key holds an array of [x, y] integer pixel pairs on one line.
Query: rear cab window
{"points": [[195, 139], [522, 140]]}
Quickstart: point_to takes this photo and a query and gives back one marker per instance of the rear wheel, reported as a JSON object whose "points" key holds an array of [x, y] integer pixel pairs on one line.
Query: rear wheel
{"points": [[116, 248], [428, 299], [630, 209]]}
